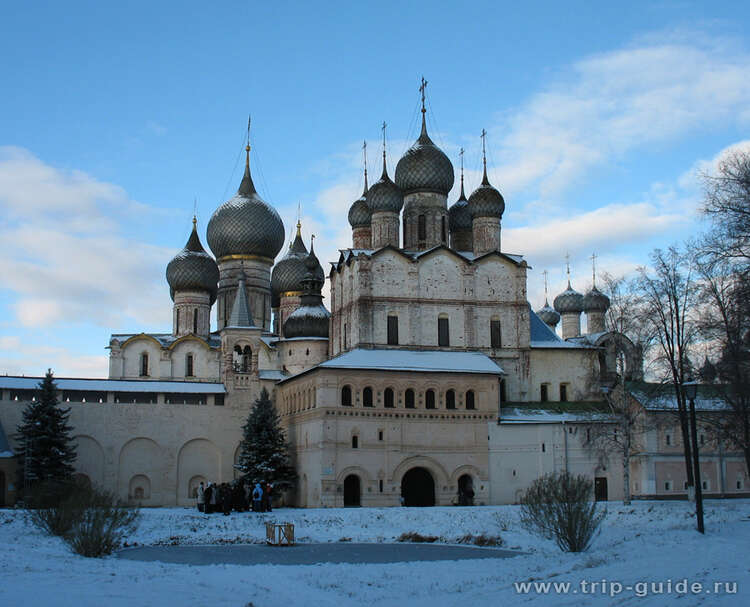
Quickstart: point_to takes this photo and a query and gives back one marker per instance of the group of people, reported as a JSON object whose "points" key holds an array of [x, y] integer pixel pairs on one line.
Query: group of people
{"points": [[237, 495]]}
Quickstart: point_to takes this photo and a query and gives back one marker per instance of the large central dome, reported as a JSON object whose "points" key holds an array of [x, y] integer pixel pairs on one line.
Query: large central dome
{"points": [[246, 224], [424, 167]]}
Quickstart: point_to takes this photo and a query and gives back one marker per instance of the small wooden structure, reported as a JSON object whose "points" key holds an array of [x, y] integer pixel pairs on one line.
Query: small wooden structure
{"points": [[280, 534]]}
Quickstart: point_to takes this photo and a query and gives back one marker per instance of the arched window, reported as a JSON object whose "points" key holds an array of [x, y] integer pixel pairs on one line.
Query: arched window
{"points": [[195, 321], [189, 365], [443, 332], [496, 339], [144, 364], [388, 397], [421, 228], [247, 355], [367, 397], [470, 399], [409, 398], [346, 396], [450, 399], [355, 441], [430, 399]]}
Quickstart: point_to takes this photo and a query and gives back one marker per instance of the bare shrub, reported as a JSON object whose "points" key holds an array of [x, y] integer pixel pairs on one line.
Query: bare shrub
{"points": [[413, 536], [54, 506], [102, 524], [480, 540], [557, 506]]}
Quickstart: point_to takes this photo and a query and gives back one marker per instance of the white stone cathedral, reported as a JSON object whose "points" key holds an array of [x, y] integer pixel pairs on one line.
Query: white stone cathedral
{"points": [[431, 380]]}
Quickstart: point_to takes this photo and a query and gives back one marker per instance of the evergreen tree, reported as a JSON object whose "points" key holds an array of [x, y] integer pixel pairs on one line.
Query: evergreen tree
{"points": [[46, 451], [264, 454]]}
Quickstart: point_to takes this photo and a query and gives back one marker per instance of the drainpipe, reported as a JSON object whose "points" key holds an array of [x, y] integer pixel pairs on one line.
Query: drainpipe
{"points": [[565, 447]]}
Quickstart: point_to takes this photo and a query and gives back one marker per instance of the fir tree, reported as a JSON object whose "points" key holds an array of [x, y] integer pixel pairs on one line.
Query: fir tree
{"points": [[264, 454], [46, 452]]}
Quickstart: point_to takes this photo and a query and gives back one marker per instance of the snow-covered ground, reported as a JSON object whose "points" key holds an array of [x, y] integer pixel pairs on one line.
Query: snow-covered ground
{"points": [[639, 544]]}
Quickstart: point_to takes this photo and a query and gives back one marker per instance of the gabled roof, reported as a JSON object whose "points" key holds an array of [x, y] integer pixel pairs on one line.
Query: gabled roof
{"points": [[114, 385], [414, 360], [165, 340], [549, 412], [541, 336], [661, 397]]}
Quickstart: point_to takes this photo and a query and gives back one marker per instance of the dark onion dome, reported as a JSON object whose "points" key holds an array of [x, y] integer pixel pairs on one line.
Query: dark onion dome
{"points": [[192, 269], [246, 224], [311, 318], [569, 301], [595, 301], [359, 213], [548, 314], [384, 195], [289, 272], [424, 167], [708, 372], [486, 201], [459, 217]]}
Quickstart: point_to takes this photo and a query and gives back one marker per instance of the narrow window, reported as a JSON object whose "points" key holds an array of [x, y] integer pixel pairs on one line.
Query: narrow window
{"points": [[702, 440], [367, 397], [668, 439], [393, 330], [442, 228], [503, 396], [189, 365], [355, 442], [443, 333], [346, 396], [345, 336], [667, 486], [563, 393], [388, 397], [380, 435], [195, 321], [144, 364], [544, 448], [247, 356], [544, 397], [177, 322], [470, 399], [421, 228], [704, 485], [430, 399], [409, 399], [450, 399], [495, 334], [380, 485]]}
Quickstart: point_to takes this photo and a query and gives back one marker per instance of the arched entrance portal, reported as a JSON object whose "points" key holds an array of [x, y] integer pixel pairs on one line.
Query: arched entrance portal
{"points": [[418, 488], [351, 490], [465, 490]]}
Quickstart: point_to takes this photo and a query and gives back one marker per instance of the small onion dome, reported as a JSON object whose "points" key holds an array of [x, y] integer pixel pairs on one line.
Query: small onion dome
{"points": [[424, 167], [246, 224], [486, 201], [548, 315], [384, 195], [708, 372], [569, 301], [359, 213], [311, 318], [193, 269], [459, 217], [289, 272], [595, 301]]}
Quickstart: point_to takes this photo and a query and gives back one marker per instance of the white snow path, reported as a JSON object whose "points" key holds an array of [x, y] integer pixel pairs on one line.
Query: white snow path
{"points": [[644, 542]]}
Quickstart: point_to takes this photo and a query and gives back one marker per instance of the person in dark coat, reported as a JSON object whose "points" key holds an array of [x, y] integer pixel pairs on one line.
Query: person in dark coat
{"points": [[207, 495], [226, 499], [268, 495], [257, 498]]}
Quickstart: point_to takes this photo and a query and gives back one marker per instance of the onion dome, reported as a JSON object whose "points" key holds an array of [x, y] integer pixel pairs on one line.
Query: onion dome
{"points": [[486, 201], [246, 224], [595, 301], [569, 301], [311, 318], [193, 268], [459, 217], [424, 167], [548, 315], [289, 272], [384, 195], [708, 372], [359, 212]]}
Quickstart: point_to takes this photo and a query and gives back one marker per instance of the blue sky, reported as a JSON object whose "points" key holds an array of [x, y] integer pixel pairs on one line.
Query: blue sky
{"points": [[114, 118]]}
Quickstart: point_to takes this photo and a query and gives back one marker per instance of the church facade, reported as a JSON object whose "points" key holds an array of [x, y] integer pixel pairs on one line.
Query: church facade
{"points": [[430, 381]]}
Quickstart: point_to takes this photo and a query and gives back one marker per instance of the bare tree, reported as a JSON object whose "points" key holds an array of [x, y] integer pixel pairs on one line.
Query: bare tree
{"points": [[669, 299]]}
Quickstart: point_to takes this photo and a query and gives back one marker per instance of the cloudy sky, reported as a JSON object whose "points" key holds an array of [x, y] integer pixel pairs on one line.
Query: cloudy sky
{"points": [[115, 119]]}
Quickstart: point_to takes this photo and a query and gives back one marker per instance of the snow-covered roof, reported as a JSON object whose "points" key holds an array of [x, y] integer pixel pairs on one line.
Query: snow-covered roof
{"points": [[348, 254], [413, 360], [272, 374], [5, 450], [114, 385], [167, 339], [661, 397], [554, 413]]}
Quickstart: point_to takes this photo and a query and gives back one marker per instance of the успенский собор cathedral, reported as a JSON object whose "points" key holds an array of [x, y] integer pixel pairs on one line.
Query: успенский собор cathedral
{"points": [[420, 383]]}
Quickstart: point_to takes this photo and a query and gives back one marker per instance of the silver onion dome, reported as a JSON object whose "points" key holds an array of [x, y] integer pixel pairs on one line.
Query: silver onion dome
{"points": [[311, 318], [246, 224], [424, 167], [193, 269], [569, 301], [595, 301], [290, 271], [548, 315], [459, 216], [359, 213], [486, 201], [384, 195]]}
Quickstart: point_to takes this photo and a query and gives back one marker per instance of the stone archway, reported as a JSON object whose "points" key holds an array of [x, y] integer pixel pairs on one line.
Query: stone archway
{"points": [[418, 487], [465, 490], [352, 491]]}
